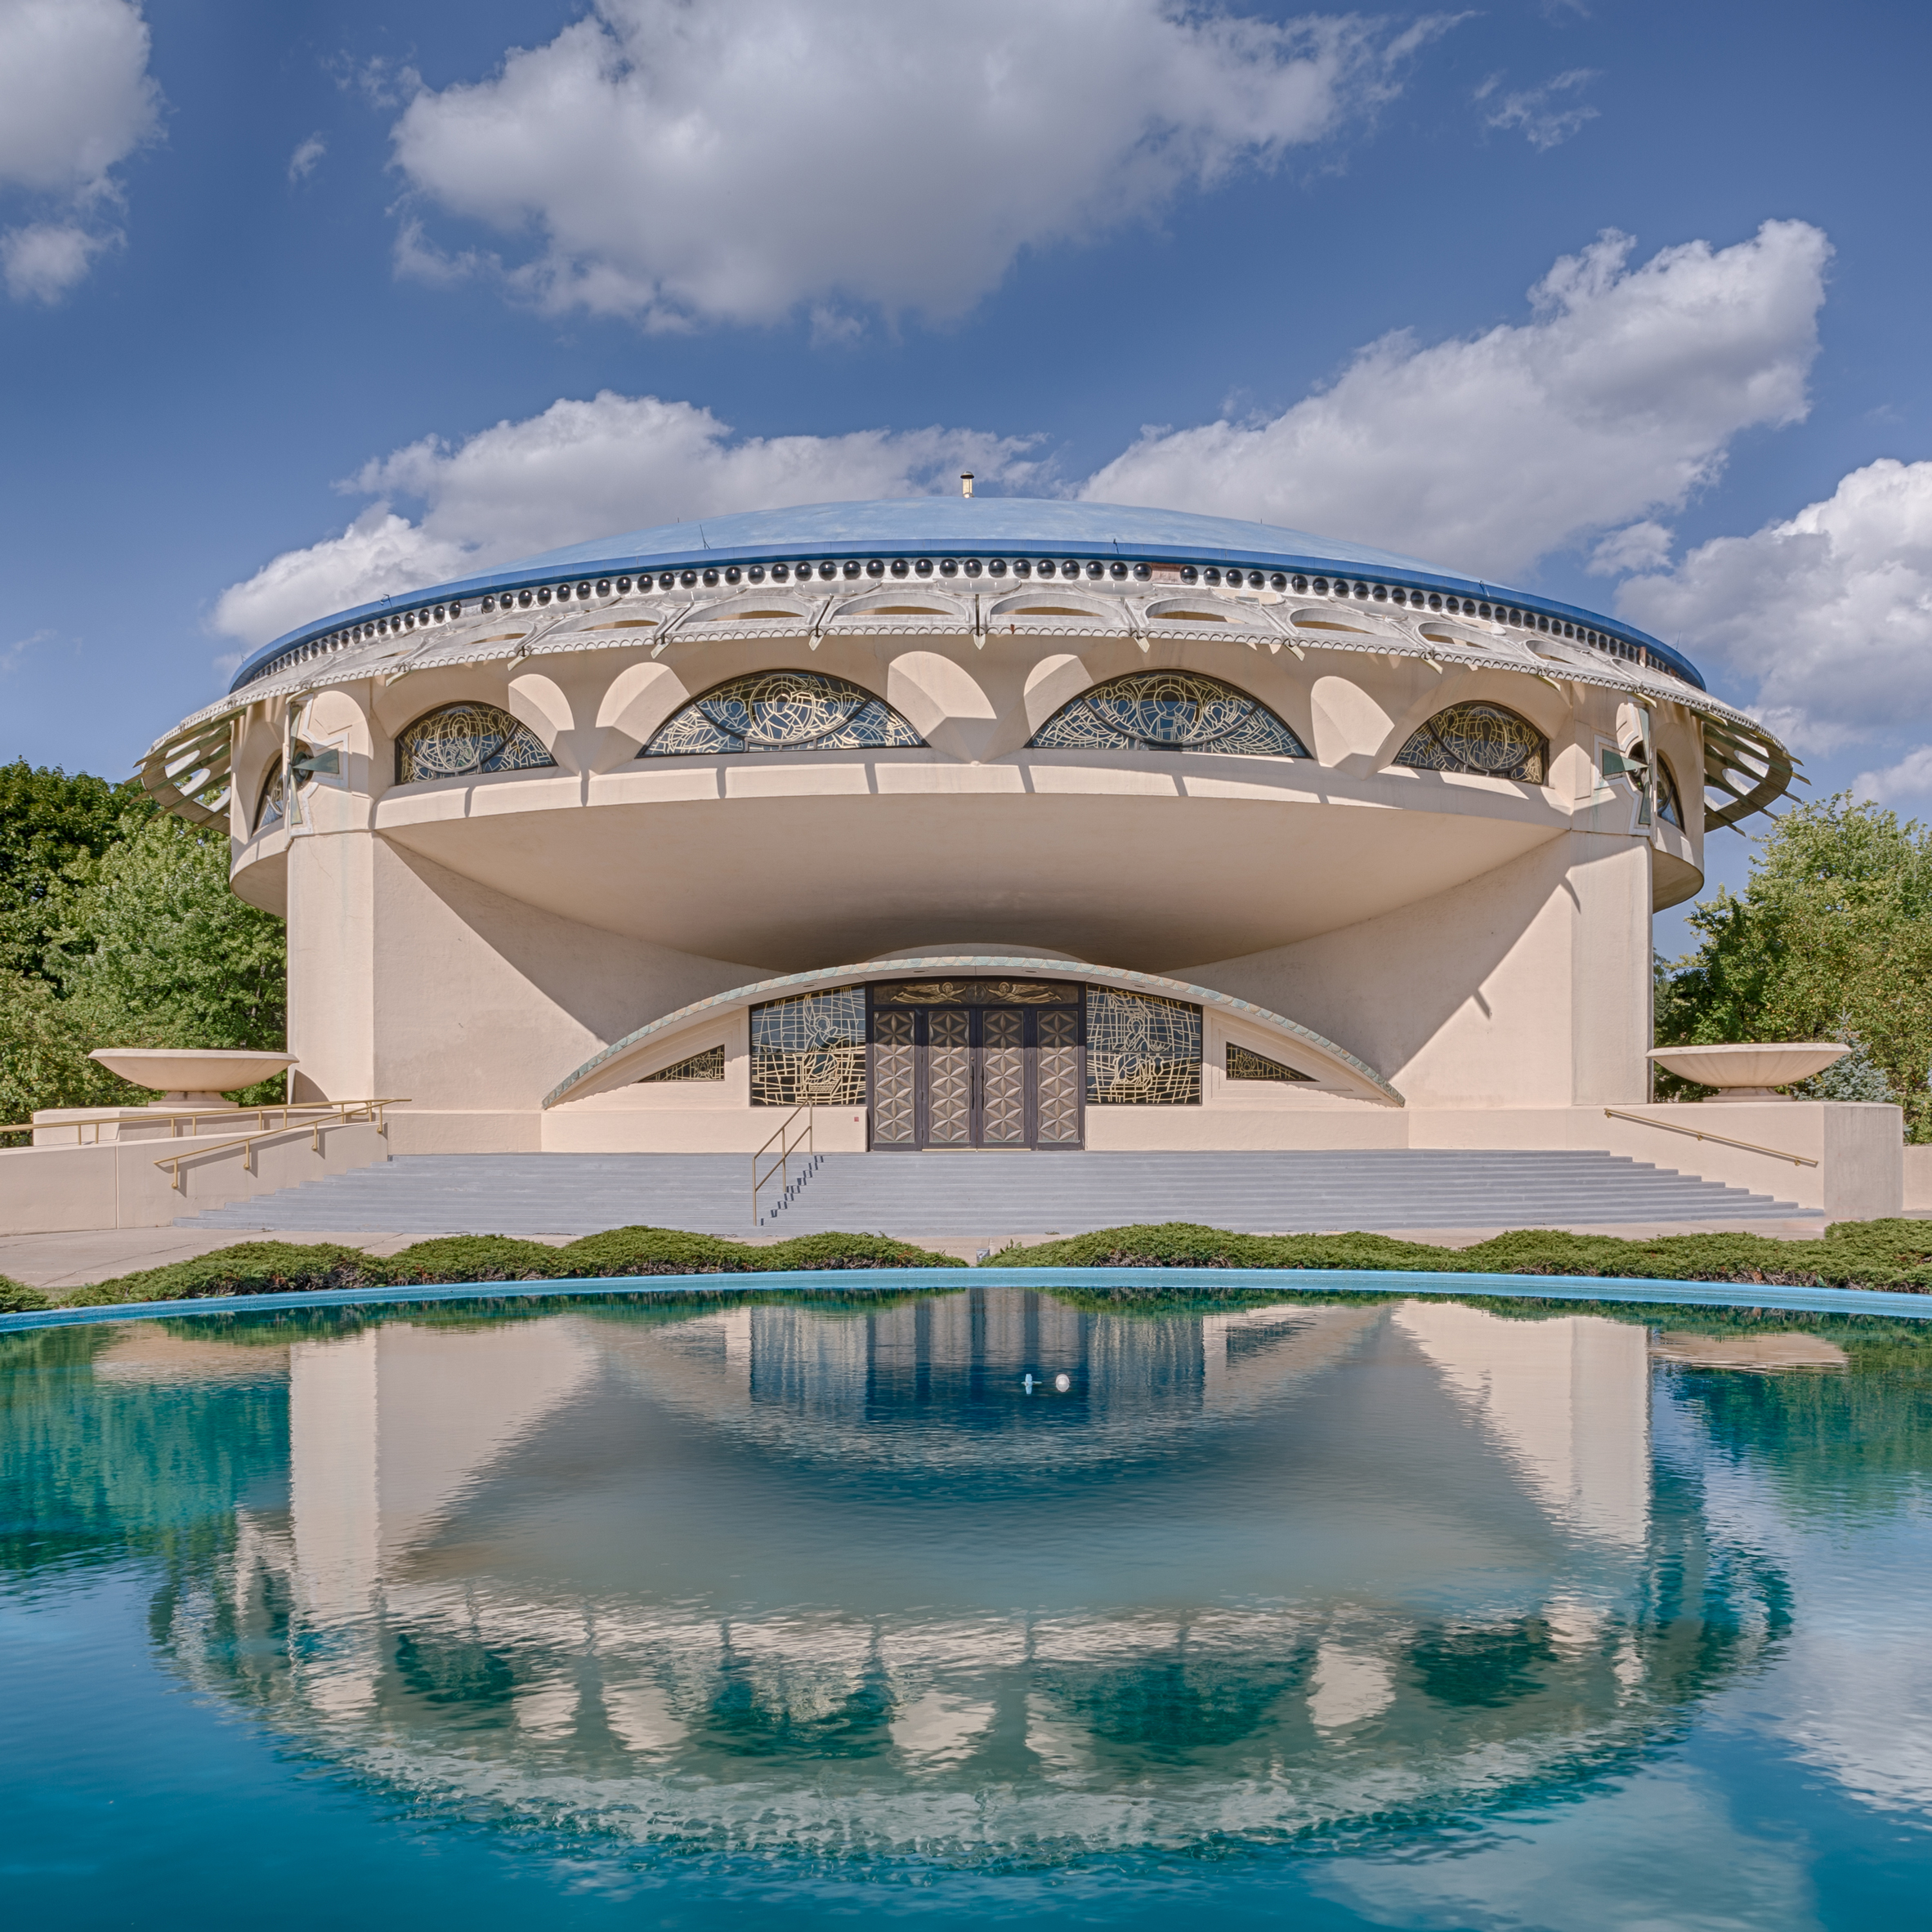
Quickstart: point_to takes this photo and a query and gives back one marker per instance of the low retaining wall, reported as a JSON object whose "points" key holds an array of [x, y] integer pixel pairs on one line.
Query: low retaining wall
{"points": [[58, 1190]]}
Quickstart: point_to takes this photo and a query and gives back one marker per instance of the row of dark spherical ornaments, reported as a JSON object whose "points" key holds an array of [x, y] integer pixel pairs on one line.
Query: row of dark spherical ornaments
{"points": [[1003, 573]]}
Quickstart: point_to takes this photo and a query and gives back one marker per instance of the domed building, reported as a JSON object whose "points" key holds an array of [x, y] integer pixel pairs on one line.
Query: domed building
{"points": [[984, 823]]}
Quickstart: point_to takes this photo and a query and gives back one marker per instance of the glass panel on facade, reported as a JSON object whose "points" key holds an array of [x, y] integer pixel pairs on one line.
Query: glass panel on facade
{"points": [[781, 711], [1481, 739], [810, 1048], [463, 740], [1141, 1050], [1244, 1064], [1670, 806], [706, 1065], [1168, 711]]}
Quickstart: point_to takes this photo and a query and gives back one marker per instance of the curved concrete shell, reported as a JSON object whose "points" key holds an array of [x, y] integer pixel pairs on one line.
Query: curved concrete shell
{"points": [[617, 794]]}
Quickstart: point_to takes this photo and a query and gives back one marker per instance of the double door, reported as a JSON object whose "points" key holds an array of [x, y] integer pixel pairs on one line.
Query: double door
{"points": [[976, 1076]]}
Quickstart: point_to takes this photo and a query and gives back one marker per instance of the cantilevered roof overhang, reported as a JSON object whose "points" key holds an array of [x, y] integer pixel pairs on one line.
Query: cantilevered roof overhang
{"points": [[953, 528], [1331, 1067]]}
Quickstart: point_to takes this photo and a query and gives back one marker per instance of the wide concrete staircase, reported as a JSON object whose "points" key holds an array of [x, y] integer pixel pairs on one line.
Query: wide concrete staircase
{"points": [[945, 1195]]}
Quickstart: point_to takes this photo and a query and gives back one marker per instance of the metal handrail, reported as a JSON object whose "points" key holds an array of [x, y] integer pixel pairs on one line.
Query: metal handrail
{"points": [[88, 1133], [1750, 1147], [787, 1147], [339, 1113]]}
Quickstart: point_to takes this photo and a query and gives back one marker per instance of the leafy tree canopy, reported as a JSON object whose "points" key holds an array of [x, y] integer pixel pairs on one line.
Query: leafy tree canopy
{"points": [[1830, 939], [49, 826], [118, 928]]}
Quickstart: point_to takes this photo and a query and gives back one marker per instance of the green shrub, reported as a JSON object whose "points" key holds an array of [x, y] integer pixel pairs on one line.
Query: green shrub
{"points": [[850, 1250], [1891, 1254], [278, 1267], [17, 1298], [473, 1257], [249, 1267]]}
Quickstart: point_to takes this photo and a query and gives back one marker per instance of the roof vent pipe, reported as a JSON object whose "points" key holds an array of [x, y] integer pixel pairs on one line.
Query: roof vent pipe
{"points": [[965, 482]]}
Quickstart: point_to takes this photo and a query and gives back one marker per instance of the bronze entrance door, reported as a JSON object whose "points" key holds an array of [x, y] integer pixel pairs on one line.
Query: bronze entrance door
{"points": [[980, 1071]]}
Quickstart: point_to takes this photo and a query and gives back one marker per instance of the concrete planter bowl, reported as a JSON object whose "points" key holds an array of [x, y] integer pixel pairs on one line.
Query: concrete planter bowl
{"points": [[1750, 1070], [191, 1076]]}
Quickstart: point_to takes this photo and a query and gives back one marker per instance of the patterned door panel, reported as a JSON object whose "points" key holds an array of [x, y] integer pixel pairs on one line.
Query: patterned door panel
{"points": [[1059, 1079], [1003, 1078], [893, 1081], [949, 1078]]}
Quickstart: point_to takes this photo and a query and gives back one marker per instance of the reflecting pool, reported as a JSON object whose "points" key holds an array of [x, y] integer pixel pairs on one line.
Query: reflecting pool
{"points": [[1360, 1611]]}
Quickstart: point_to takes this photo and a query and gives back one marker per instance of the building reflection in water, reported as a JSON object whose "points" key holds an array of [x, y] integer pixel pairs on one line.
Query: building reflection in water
{"points": [[777, 1574]]}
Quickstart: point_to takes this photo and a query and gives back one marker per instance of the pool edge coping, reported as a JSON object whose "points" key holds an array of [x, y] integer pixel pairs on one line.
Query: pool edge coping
{"points": [[1885, 1303]]}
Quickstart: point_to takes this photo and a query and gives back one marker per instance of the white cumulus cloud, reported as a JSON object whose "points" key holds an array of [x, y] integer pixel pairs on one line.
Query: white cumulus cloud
{"points": [[580, 470], [1621, 394], [1644, 546], [43, 260], [1618, 397], [733, 160], [1828, 612], [75, 99]]}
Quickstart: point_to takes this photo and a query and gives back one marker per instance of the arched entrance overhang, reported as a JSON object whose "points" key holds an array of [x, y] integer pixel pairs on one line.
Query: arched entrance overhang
{"points": [[1329, 1066]]}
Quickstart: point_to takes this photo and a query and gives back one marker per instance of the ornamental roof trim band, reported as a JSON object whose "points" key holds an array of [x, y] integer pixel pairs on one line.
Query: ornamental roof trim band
{"points": [[1356, 1074], [848, 542], [185, 769]]}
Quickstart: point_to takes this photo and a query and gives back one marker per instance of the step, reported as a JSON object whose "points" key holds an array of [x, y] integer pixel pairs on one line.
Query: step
{"points": [[1017, 1193]]}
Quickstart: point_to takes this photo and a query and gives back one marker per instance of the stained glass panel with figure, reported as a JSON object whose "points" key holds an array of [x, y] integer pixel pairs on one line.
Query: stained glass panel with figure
{"points": [[811, 1048], [1141, 1050]]}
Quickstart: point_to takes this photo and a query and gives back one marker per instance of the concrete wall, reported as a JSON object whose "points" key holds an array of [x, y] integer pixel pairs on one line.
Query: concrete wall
{"points": [[1527, 987], [45, 1190], [1918, 1178], [466, 943]]}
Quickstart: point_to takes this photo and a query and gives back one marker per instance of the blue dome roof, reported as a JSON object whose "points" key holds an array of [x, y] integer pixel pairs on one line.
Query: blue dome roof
{"points": [[956, 526], [959, 524]]}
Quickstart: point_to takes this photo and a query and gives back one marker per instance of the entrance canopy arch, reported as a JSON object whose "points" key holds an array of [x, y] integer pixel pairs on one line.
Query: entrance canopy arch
{"points": [[1323, 1063]]}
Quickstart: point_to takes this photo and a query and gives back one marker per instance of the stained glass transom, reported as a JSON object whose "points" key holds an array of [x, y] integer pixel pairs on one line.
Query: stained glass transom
{"points": [[706, 1066], [1168, 711], [781, 711], [1483, 739], [1141, 1050], [1244, 1064], [810, 1048], [463, 740]]}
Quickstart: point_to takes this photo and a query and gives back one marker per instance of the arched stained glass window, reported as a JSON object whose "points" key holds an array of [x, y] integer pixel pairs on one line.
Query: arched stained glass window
{"points": [[781, 711], [1168, 711], [462, 740], [1485, 740]]}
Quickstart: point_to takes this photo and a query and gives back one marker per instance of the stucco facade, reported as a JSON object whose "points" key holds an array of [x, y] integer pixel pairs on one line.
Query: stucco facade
{"points": [[1412, 951]]}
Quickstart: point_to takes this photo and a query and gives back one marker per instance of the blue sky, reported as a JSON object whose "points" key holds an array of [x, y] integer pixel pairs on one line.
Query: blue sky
{"points": [[306, 302]]}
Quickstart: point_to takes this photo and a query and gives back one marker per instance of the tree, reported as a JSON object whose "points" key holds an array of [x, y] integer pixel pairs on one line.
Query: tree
{"points": [[1830, 939], [118, 928], [158, 951], [50, 826]]}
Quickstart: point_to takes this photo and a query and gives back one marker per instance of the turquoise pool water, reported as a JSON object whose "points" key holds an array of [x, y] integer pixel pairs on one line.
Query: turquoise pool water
{"points": [[1325, 1611]]}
